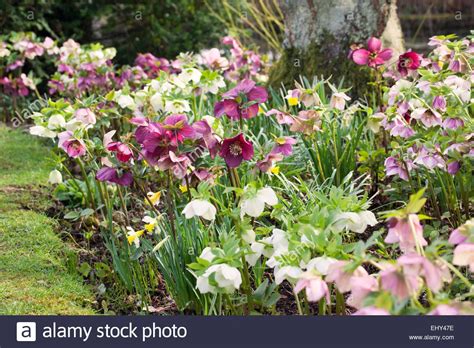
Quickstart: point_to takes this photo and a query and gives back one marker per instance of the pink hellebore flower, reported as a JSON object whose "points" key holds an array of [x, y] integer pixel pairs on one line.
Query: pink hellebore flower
{"points": [[373, 56], [241, 101], [73, 147], [111, 175], [235, 150], [204, 132], [371, 311], [439, 103], [361, 287], [212, 58], [177, 128], [396, 167], [307, 122], [337, 273], [453, 167], [177, 163], [408, 61], [85, 115], [316, 288], [428, 117], [122, 151], [269, 161], [444, 309], [399, 284], [401, 129], [406, 231], [417, 265], [282, 117], [464, 255], [453, 123], [284, 145], [338, 100]]}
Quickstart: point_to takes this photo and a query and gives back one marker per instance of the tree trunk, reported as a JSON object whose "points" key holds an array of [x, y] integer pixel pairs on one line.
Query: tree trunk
{"points": [[319, 33]]}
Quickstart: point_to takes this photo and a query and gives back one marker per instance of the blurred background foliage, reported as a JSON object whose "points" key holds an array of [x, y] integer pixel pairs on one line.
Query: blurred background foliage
{"points": [[167, 27]]}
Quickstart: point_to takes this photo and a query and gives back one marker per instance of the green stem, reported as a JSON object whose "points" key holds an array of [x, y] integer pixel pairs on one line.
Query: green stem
{"points": [[86, 179]]}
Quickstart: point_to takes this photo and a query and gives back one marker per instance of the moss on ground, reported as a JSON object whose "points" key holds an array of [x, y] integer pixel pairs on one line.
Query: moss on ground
{"points": [[34, 274]]}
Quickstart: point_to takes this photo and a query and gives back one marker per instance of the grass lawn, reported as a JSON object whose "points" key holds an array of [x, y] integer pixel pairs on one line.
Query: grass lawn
{"points": [[34, 274]]}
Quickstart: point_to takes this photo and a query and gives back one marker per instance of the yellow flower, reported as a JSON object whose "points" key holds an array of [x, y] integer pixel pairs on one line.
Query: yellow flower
{"points": [[183, 188], [292, 101], [153, 197], [134, 236], [260, 110], [150, 227], [275, 170]]}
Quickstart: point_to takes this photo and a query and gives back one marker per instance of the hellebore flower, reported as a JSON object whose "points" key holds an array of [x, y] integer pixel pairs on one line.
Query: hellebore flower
{"points": [[85, 115], [406, 231], [111, 175], [42, 132], [356, 222], [121, 150], [337, 273], [241, 101], [398, 283], [284, 145], [361, 287], [177, 128], [453, 123], [204, 132], [444, 309], [401, 129], [235, 150], [428, 117], [439, 103], [408, 61], [338, 100], [55, 177], [462, 233], [226, 279], [212, 58], [320, 264], [73, 147], [307, 122], [178, 164], [464, 255], [267, 164], [316, 287], [416, 265], [201, 208], [290, 273], [282, 117], [371, 311], [253, 206], [395, 167], [373, 56]]}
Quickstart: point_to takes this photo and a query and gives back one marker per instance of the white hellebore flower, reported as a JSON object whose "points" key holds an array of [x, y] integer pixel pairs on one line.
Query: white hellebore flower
{"points": [[56, 121], [177, 106], [290, 273], [320, 264], [125, 101], [156, 101], [200, 207], [55, 177], [227, 278], [189, 74], [356, 222], [338, 100], [255, 205], [207, 254], [42, 132]]}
